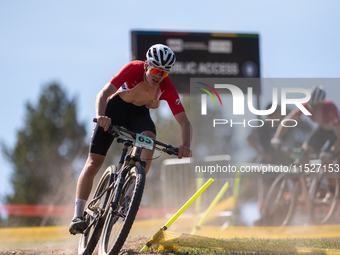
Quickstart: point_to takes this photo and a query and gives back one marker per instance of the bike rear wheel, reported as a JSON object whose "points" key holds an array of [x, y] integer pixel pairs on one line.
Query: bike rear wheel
{"points": [[281, 201], [117, 225], [89, 239], [325, 199]]}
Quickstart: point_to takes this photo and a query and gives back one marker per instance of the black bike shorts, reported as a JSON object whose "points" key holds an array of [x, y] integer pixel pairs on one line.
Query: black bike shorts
{"points": [[127, 115], [319, 137]]}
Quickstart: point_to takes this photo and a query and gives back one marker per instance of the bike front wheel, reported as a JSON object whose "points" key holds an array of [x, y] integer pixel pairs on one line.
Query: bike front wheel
{"points": [[118, 224], [281, 201], [325, 199], [89, 239]]}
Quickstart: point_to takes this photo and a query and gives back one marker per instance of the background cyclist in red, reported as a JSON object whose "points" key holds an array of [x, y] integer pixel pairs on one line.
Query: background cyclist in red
{"points": [[326, 115], [125, 100]]}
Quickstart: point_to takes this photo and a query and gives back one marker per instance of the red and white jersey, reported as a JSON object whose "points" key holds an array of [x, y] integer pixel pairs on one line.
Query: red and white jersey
{"points": [[330, 114], [133, 73]]}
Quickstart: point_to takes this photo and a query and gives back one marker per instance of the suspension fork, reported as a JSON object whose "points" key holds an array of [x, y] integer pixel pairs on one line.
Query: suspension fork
{"points": [[119, 187], [127, 162]]}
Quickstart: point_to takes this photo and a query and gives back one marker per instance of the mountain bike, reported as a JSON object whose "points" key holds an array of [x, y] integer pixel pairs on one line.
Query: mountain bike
{"points": [[112, 211], [311, 187]]}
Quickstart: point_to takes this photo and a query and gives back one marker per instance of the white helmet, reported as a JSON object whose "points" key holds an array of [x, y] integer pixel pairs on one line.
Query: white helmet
{"points": [[161, 56], [317, 96]]}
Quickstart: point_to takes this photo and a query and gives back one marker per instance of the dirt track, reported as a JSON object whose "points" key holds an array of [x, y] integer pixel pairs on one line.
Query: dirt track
{"points": [[131, 246]]}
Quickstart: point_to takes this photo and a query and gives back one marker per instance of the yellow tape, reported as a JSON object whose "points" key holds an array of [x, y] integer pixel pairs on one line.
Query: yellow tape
{"points": [[305, 250]]}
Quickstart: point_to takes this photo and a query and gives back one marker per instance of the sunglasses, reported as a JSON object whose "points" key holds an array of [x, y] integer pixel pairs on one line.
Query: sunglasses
{"points": [[155, 71]]}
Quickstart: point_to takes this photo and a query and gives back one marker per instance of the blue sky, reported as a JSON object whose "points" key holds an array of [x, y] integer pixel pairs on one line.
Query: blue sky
{"points": [[82, 44]]}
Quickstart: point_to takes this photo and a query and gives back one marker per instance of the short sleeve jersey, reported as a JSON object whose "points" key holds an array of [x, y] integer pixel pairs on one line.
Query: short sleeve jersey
{"points": [[330, 113], [133, 73]]}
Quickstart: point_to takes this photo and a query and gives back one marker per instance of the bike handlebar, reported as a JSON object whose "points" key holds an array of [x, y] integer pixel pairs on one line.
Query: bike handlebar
{"points": [[297, 153], [116, 131]]}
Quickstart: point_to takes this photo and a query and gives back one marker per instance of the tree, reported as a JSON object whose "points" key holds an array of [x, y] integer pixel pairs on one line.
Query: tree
{"points": [[47, 149]]}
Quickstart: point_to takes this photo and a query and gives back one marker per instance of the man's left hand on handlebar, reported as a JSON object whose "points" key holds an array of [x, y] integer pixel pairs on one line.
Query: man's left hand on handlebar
{"points": [[184, 151]]}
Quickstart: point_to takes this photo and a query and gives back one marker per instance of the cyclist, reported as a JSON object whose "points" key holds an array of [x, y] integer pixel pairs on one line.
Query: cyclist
{"points": [[125, 101], [326, 115]]}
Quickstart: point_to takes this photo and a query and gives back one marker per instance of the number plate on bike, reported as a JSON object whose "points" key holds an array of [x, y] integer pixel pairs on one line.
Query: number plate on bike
{"points": [[144, 141]]}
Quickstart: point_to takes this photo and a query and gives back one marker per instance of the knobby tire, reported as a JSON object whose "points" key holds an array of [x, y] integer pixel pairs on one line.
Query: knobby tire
{"points": [[281, 201], [117, 228], [323, 209], [88, 241]]}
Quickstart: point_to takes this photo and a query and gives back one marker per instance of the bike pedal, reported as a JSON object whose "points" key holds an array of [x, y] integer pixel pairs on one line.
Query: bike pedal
{"points": [[94, 207]]}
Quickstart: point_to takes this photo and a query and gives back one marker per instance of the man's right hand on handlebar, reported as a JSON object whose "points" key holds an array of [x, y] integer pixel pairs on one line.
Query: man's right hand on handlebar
{"points": [[104, 122], [184, 151], [326, 156]]}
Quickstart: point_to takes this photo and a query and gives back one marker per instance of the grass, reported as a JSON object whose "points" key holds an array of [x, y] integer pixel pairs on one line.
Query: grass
{"points": [[259, 246]]}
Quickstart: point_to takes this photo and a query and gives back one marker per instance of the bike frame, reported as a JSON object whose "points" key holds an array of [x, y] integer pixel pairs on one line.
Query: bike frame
{"points": [[306, 182], [125, 164]]}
